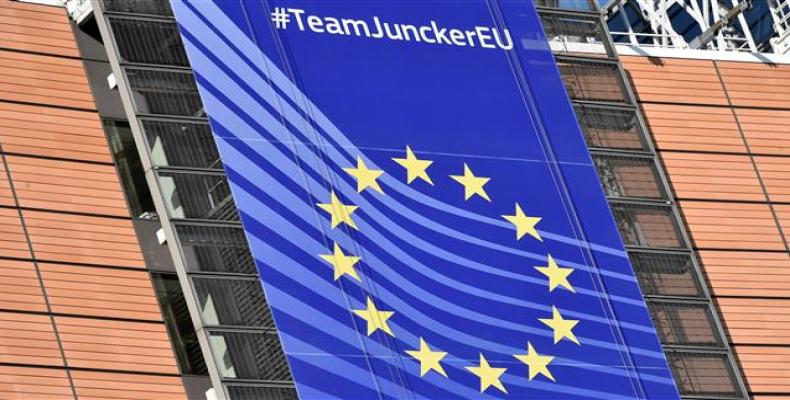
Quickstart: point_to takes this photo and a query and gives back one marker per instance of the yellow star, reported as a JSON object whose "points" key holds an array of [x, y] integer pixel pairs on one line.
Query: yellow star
{"points": [[344, 264], [415, 168], [341, 213], [365, 176], [537, 363], [429, 360], [558, 276], [524, 224], [488, 375], [473, 185], [376, 319], [563, 328]]}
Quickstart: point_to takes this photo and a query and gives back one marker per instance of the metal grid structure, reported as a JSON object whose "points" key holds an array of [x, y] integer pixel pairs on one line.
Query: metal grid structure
{"points": [[200, 222], [642, 204]]}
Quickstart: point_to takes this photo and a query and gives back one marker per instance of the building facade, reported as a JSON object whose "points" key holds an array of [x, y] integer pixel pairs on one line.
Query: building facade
{"points": [[128, 275]]}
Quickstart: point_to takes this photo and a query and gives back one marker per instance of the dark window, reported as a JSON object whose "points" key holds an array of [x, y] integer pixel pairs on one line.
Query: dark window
{"points": [[663, 274], [580, 5], [230, 301], [628, 177], [179, 324], [249, 355], [575, 34], [592, 80], [610, 128], [164, 92], [261, 393], [153, 7], [684, 323], [148, 42], [198, 196], [703, 374], [215, 249], [647, 226], [181, 144], [130, 169]]}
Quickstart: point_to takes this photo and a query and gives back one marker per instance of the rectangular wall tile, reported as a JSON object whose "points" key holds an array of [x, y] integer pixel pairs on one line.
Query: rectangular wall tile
{"points": [[745, 273], [775, 173], [757, 321], [741, 226], [685, 127], [28, 339], [674, 80], [37, 28], [767, 368], [725, 177], [114, 386], [751, 84], [19, 287], [26, 383], [43, 79]]}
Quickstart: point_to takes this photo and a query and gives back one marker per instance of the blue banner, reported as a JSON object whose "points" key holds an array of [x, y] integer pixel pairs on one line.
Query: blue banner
{"points": [[420, 202]]}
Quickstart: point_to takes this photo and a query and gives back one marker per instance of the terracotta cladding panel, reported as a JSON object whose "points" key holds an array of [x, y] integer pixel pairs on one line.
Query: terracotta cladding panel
{"points": [[783, 214], [28, 339], [111, 386], [100, 292], [67, 186], [52, 132], [6, 195], [83, 239], [756, 321], [682, 127], [115, 345], [34, 383], [674, 80], [12, 237], [765, 130], [743, 273], [775, 172], [756, 84], [38, 28], [725, 177], [39, 79], [767, 369], [726, 226], [19, 287]]}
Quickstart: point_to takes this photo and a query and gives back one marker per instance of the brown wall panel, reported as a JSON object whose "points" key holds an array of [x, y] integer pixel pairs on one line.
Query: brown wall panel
{"points": [[52, 132], [12, 237], [715, 225], [726, 177], [767, 368], [745, 273], [775, 172], [756, 84], [765, 130], [100, 292], [6, 195], [28, 339], [116, 345], [112, 386], [675, 80], [67, 186], [83, 239], [757, 321], [37, 28], [20, 288], [683, 127], [34, 384], [43, 80]]}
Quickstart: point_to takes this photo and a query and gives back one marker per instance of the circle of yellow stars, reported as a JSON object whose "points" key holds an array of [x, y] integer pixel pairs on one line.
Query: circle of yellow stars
{"points": [[430, 360]]}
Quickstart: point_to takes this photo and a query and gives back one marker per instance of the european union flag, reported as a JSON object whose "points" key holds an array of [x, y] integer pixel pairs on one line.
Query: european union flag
{"points": [[420, 202]]}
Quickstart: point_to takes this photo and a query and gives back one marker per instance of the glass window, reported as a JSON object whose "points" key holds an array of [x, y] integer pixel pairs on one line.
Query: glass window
{"points": [[148, 42], [684, 323], [579, 5], [610, 128], [179, 324], [181, 144], [232, 301], [153, 7], [261, 393], [647, 225], [703, 374], [575, 34], [624, 177], [164, 92], [198, 196], [215, 249], [130, 169], [663, 274], [587, 80], [249, 355]]}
